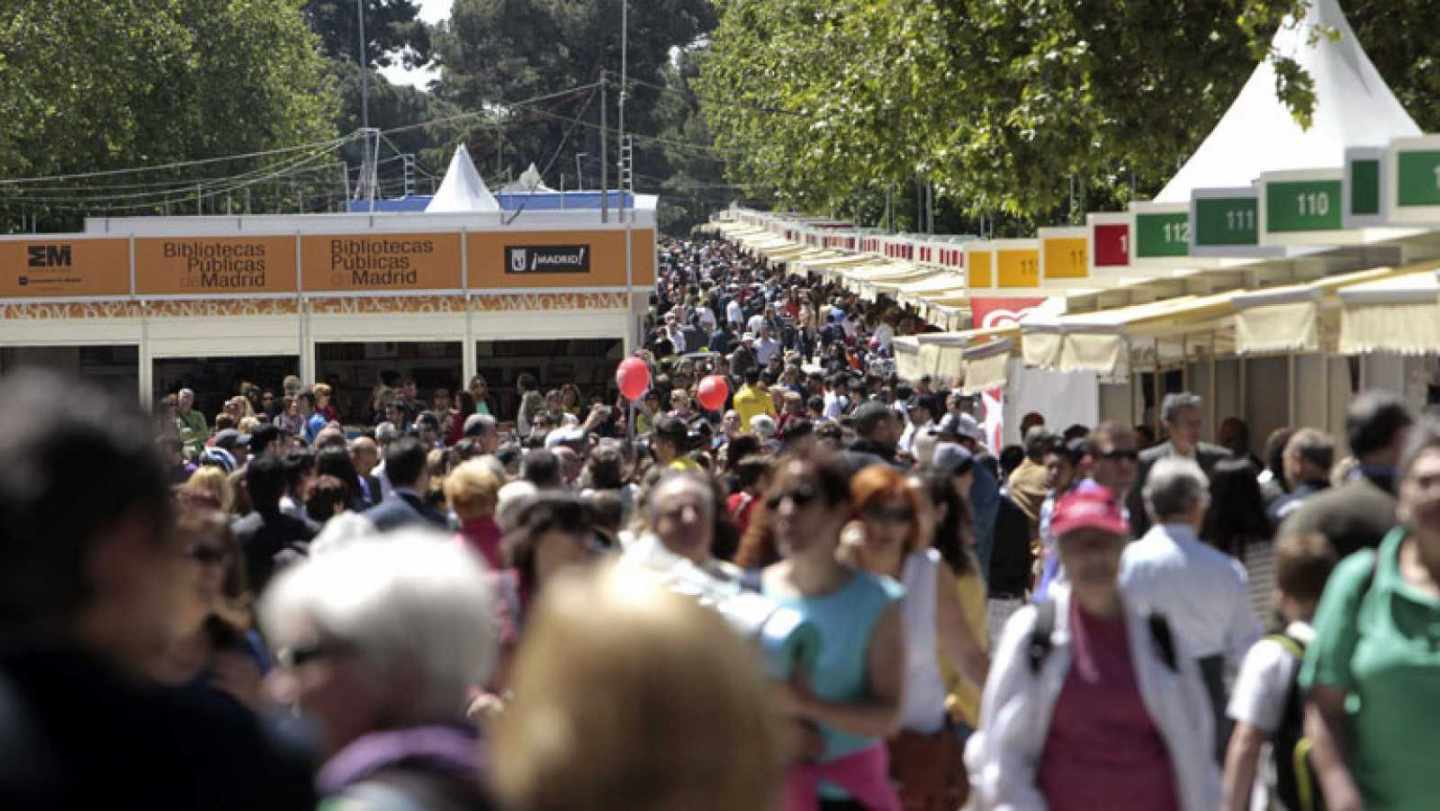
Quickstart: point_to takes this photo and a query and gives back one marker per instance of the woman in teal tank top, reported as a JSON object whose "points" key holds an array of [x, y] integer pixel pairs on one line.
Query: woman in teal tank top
{"points": [[853, 692]]}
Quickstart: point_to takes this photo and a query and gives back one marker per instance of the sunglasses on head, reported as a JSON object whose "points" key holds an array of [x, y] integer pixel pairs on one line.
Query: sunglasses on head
{"points": [[801, 496], [1121, 455]]}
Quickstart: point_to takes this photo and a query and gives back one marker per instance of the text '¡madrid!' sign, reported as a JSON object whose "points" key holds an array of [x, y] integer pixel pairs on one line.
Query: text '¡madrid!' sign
{"points": [[547, 259]]}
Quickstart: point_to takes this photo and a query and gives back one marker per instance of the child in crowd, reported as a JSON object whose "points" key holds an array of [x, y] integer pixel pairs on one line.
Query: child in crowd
{"points": [[1266, 704]]}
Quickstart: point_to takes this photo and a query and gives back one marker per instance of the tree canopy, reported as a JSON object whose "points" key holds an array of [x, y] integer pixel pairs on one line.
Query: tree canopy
{"points": [[497, 52], [1036, 111], [393, 31], [88, 87]]}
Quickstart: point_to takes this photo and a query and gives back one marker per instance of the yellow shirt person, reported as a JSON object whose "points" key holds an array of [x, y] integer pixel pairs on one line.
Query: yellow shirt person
{"points": [[753, 399]]}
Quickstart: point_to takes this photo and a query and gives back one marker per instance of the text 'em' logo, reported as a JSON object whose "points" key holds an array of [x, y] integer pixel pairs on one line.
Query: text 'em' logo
{"points": [[48, 256], [548, 259]]}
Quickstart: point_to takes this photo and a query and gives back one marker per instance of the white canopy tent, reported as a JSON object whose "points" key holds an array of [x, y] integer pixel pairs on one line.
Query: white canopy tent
{"points": [[462, 190], [1353, 107], [529, 181]]}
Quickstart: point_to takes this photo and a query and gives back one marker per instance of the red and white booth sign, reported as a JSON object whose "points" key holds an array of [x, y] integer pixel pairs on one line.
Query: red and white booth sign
{"points": [[998, 312]]}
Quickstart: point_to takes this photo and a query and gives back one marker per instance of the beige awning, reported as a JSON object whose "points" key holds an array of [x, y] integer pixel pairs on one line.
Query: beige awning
{"points": [[1288, 319], [952, 360], [950, 319], [987, 366], [1099, 341], [909, 364], [1400, 315], [1042, 348], [849, 260]]}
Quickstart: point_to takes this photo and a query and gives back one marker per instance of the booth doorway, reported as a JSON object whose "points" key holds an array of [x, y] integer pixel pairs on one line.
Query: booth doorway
{"points": [[114, 368], [356, 370], [589, 363], [215, 380]]}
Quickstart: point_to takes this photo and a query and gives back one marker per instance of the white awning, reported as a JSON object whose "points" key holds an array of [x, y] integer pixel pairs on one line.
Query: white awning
{"points": [[1400, 315]]}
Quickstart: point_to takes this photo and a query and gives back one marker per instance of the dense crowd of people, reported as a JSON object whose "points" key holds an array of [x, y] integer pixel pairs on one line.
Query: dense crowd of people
{"points": [[809, 586]]}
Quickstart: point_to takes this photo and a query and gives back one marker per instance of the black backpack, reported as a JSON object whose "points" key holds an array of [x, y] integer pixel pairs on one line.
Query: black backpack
{"points": [[1295, 785], [1040, 643]]}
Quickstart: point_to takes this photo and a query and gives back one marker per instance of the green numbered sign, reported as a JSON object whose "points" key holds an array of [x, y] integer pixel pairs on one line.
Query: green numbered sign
{"points": [[1303, 205], [1419, 178], [1227, 221], [1365, 187], [1162, 235]]}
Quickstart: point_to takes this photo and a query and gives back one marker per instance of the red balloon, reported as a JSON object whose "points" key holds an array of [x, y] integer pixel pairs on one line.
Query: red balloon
{"points": [[712, 392], [633, 376]]}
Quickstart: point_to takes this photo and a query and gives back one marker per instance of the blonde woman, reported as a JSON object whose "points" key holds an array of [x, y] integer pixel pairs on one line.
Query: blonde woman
{"points": [[661, 704], [215, 481]]}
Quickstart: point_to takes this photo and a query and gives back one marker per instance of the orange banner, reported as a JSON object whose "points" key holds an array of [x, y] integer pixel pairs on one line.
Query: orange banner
{"points": [[56, 267], [173, 266], [366, 263], [516, 259], [1066, 257], [1017, 267], [979, 268]]}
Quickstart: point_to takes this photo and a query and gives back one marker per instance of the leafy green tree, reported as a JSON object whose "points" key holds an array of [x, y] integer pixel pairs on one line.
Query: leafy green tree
{"points": [[393, 31], [88, 87], [1033, 111], [696, 186], [496, 52]]}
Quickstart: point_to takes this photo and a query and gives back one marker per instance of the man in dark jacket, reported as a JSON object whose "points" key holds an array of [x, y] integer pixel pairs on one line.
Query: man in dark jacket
{"points": [[1307, 460], [1358, 514], [878, 430], [266, 531], [1183, 421], [90, 577], [405, 465]]}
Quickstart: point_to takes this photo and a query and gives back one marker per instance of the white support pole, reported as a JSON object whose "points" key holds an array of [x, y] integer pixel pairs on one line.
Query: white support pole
{"points": [[1135, 394], [1158, 388], [1184, 362], [468, 360], [1213, 388], [1290, 388], [304, 351], [1325, 382]]}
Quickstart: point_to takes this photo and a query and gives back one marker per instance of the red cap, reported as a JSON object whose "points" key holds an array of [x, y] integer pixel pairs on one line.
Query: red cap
{"points": [[1089, 506]]}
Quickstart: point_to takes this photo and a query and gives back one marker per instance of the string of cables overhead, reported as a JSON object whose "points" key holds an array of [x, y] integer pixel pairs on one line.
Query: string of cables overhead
{"points": [[317, 176]]}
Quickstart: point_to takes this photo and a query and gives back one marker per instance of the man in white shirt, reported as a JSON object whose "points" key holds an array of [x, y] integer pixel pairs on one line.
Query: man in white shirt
{"points": [[919, 415], [766, 347], [734, 313], [674, 333], [835, 400], [707, 318], [1200, 590], [756, 322]]}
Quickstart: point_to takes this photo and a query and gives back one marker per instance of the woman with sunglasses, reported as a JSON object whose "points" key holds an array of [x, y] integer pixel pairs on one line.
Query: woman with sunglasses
{"points": [[216, 652], [896, 526], [852, 695]]}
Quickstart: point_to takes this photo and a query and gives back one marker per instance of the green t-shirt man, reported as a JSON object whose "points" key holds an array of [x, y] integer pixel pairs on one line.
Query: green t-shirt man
{"points": [[1382, 647]]}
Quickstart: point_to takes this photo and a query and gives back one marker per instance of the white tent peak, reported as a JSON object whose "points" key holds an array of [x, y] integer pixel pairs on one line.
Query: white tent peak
{"points": [[529, 181], [1353, 107], [462, 189]]}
